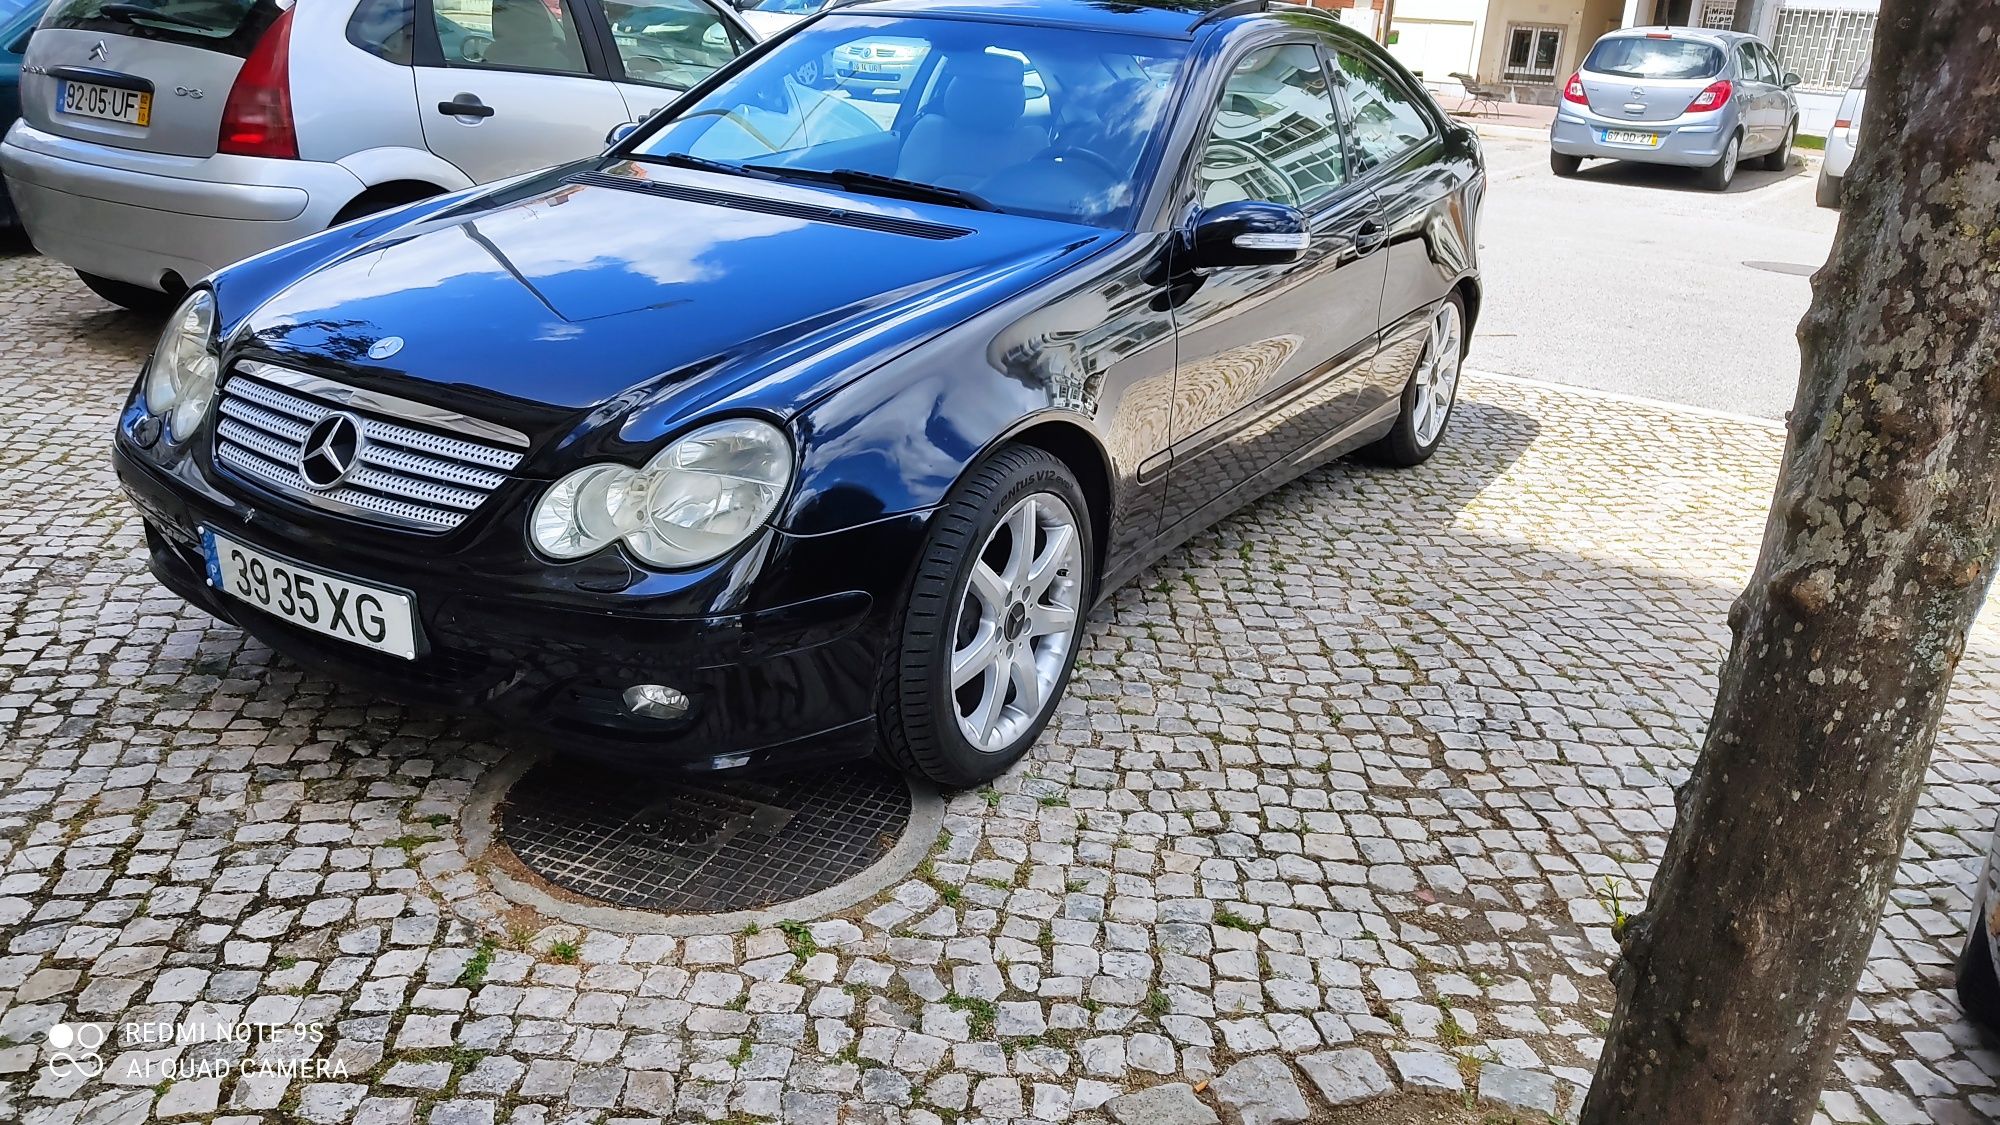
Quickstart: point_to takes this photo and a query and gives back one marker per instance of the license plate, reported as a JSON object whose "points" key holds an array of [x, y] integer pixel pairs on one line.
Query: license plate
{"points": [[107, 103], [1628, 137], [355, 612]]}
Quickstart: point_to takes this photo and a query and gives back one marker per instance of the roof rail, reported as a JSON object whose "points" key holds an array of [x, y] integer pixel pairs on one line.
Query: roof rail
{"points": [[1230, 10]]}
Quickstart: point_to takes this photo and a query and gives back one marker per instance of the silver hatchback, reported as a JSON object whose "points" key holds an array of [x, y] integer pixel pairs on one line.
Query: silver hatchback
{"points": [[1686, 96]]}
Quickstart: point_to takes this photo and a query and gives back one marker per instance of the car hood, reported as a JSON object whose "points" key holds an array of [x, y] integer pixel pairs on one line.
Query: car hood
{"points": [[624, 286]]}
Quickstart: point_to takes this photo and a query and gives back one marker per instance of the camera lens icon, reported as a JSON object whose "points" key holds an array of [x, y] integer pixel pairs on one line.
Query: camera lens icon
{"points": [[72, 1050]]}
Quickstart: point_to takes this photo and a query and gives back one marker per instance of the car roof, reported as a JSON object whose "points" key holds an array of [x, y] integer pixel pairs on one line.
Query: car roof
{"points": [[1165, 18], [1718, 36]]}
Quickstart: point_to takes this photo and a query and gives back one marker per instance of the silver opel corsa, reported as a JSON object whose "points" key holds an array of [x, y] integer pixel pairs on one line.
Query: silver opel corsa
{"points": [[1680, 95]]}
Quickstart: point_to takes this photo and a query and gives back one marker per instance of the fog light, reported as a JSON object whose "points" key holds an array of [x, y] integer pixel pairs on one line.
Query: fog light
{"points": [[655, 701]]}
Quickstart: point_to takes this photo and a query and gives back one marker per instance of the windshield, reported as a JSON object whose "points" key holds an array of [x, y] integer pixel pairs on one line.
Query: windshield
{"points": [[1056, 124], [1634, 57]]}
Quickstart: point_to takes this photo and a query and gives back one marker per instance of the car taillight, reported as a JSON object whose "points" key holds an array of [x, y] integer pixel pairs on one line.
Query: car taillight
{"points": [[1573, 92], [1711, 98], [257, 118], [1842, 123]]}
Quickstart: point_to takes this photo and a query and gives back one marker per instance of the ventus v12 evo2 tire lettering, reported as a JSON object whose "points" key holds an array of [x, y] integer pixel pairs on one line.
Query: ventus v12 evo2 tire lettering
{"points": [[992, 621]]}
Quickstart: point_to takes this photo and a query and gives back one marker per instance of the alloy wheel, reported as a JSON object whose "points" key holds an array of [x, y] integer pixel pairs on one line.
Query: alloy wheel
{"points": [[1729, 155], [1016, 622], [1437, 376]]}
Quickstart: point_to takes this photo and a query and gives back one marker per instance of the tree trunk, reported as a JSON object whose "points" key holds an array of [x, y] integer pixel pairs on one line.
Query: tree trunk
{"points": [[1745, 15], [1734, 984]]}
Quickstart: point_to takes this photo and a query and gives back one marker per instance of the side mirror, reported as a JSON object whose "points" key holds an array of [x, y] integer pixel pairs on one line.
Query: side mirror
{"points": [[620, 131], [1792, 79], [1249, 232]]}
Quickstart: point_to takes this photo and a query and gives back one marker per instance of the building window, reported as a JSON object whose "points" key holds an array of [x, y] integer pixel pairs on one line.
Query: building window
{"points": [[1825, 46], [1532, 53], [1719, 15]]}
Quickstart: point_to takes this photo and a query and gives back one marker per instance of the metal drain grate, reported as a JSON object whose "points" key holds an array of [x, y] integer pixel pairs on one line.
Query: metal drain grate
{"points": [[701, 845]]}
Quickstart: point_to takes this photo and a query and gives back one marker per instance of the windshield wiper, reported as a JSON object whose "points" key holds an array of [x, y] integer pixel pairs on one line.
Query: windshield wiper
{"points": [[127, 13], [702, 164], [874, 183]]}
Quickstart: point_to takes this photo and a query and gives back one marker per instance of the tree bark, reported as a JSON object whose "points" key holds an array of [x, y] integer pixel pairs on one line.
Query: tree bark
{"points": [[1734, 984]]}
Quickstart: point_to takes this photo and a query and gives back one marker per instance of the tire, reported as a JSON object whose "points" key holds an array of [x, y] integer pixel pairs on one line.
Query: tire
{"points": [[1719, 175], [135, 298], [1780, 158], [1564, 165], [1827, 194], [1421, 426], [1978, 987], [929, 725]]}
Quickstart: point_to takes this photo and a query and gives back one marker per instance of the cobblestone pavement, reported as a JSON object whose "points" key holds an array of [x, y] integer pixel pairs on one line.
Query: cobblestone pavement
{"points": [[1345, 802]]}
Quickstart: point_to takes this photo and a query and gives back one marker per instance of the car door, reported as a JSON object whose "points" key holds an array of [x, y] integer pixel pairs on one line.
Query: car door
{"points": [[1272, 357], [510, 86], [1784, 104], [1757, 89], [661, 48], [1399, 154]]}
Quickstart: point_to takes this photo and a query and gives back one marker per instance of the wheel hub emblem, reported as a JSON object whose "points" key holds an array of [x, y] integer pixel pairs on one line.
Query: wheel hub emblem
{"points": [[331, 450], [1017, 622]]}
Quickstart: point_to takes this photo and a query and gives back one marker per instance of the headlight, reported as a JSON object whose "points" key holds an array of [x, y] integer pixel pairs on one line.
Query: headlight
{"points": [[699, 498], [180, 380]]}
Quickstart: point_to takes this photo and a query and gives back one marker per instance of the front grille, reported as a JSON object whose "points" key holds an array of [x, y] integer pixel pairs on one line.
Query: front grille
{"points": [[419, 479]]}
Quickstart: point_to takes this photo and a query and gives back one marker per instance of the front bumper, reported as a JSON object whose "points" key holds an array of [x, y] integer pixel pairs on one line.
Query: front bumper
{"points": [[137, 217], [771, 685], [1693, 141]]}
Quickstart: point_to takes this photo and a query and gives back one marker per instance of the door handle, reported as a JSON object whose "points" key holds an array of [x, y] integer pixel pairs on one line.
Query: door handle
{"points": [[465, 105], [1369, 237]]}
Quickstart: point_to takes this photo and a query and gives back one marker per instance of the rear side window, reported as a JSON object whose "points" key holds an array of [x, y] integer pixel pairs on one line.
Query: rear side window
{"points": [[385, 29], [230, 26], [1631, 56]]}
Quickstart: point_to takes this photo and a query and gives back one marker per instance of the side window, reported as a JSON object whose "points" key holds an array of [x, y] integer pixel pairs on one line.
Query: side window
{"points": [[1772, 68], [1748, 62], [673, 43], [1274, 135], [384, 28], [1384, 118], [510, 34]]}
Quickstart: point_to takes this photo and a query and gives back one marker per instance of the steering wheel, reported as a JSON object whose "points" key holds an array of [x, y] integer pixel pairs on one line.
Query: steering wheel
{"points": [[1081, 156]]}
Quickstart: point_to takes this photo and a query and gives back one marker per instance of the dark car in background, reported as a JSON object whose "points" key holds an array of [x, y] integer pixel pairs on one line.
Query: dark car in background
{"points": [[17, 23], [591, 451]]}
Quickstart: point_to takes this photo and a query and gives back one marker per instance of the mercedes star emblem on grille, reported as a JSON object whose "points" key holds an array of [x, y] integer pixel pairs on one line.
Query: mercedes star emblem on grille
{"points": [[331, 450]]}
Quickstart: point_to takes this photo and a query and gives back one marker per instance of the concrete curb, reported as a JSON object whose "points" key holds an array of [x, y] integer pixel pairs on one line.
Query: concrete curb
{"points": [[481, 832], [1635, 400]]}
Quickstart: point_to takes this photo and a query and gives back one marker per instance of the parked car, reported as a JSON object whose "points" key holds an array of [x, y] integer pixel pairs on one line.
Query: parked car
{"points": [[1841, 139], [592, 452], [1979, 963], [159, 143], [1684, 95], [17, 22]]}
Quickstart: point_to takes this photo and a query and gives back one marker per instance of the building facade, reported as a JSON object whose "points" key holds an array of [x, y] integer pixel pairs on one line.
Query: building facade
{"points": [[1529, 48]]}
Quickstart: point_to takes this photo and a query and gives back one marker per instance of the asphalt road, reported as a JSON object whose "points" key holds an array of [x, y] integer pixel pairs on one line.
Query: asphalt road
{"points": [[1632, 279]]}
